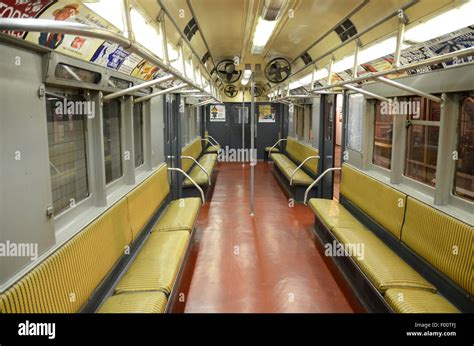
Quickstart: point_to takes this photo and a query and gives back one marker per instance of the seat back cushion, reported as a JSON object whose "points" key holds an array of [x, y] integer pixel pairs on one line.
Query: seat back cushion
{"points": [[64, 281], [146, 198], [383, 204], [299, 152], [442, 240], [193, 149]]}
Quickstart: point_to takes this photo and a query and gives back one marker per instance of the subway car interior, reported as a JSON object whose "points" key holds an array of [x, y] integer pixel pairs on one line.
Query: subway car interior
{"points": [[237, 156]]}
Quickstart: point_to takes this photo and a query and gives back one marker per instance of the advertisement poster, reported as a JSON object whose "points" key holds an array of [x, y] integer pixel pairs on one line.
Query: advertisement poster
{"points": [[266, 114], [111, 55], [147, 71], [80, 47], [217, 113], [22, 9]]}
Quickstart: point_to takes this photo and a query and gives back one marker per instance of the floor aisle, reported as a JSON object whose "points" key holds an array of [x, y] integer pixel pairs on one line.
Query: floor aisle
{"points": [[265, 263]]}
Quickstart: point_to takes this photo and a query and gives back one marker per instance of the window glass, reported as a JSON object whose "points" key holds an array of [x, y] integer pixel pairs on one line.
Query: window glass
{"points": [[76, 74], [67, 124], [383, 127], [138, 134], [112, 141], [422, 140], [464, 178], [354, 122]]}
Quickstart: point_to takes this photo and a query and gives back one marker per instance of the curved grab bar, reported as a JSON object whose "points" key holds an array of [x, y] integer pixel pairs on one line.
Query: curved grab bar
{"points": [[192, 181], [209, 136], [274, 145], [317, 181], [200, 166], [207, 140], [301, 165]]}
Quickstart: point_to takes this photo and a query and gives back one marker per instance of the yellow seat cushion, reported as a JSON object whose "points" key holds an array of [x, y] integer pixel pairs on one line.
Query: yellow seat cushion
{"points": [[134, 302], [299, 152], [287, 167], [379, 263], [64, 281], [417, 301], [274, 150], [382, 203], [198, 175], [157, 264], [332, 214], [144, 200], [442, 240], [180, 215], [194, 150], [213, 149]]}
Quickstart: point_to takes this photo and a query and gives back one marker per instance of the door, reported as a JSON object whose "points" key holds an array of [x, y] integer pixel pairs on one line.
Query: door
{"points": [[239, 133], [218, 124], [172, 142], [327, 135], [268, 122]]}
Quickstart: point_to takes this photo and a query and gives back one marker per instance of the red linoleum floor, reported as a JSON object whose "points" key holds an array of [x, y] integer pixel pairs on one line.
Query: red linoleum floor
{"points": [[266, 263]]}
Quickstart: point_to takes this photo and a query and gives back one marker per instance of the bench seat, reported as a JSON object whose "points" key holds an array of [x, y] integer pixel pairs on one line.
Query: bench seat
{"points": [[198, 175], [287, 167], [274, 150], [135, 302], [332, 214], [404, 300], [179, 215], [157, 264], [380, 264], [436, 244], [213, 149]]}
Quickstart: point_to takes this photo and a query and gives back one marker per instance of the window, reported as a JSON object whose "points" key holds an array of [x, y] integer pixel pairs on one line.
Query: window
{"points": [[138, 134], [464, 178], [422, 139], [76, 74], [67, 126], [354, 122], [119, 83], [383, 127], [112, 140]]}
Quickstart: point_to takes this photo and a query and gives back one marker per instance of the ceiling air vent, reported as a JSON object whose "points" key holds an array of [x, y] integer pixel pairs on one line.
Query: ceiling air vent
{"points": [[306, 58], [190, 29], [206, 57], [346, 30]]}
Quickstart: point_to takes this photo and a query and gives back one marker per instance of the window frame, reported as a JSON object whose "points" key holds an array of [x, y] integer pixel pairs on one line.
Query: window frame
{"points": [[87, 201], [112, 185]]}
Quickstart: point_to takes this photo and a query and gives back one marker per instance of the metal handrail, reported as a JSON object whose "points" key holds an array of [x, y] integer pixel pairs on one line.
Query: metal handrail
{"points": [[374, 75], [54, 26], [209, 136], [207, 140], [158, 93], [317, 181], [199, 165], [136, 87], [301, 165], [274, 145], [191, 180]]}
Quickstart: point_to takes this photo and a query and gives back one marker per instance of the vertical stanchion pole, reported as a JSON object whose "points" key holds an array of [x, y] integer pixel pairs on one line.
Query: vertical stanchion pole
{"points": [[253, 160], [243, 123]]}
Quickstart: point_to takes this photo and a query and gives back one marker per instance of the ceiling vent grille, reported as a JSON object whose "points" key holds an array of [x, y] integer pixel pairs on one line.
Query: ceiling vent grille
{"points": [[346, 30]]}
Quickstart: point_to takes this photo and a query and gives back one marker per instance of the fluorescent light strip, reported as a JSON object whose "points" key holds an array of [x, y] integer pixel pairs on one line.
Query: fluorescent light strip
{"points": [[442, 24], [110, 10], [262, 34]]}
